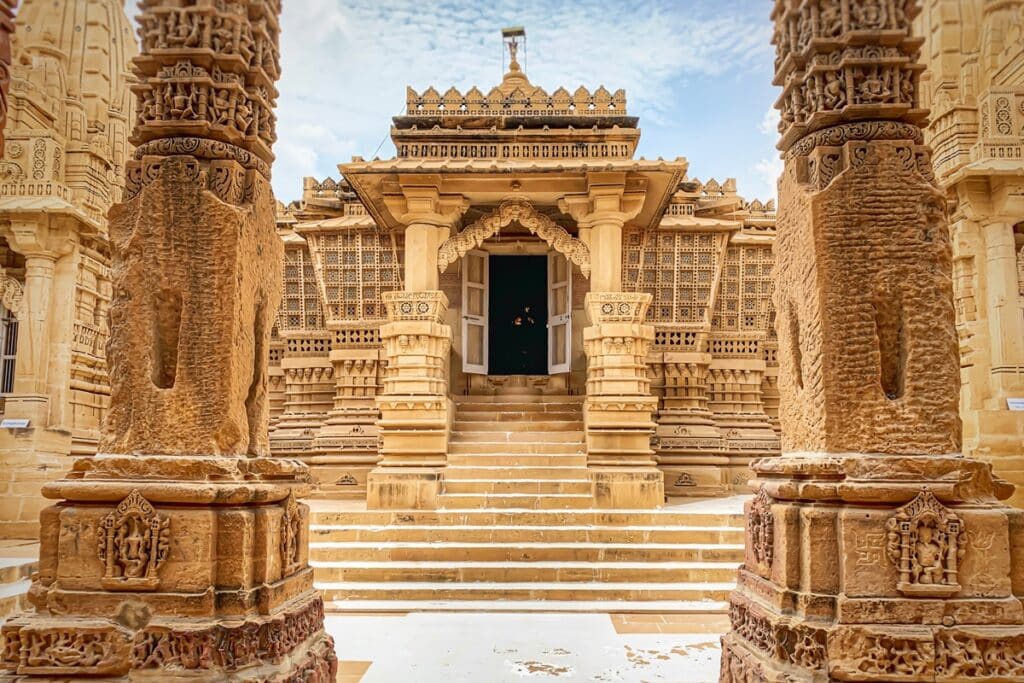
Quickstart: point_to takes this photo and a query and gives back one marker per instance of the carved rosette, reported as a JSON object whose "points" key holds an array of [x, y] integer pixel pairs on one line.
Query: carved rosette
{"points": [[133, 542], [617, 307], [416, 306], [514, 210], [926, 544], [761, 529]]}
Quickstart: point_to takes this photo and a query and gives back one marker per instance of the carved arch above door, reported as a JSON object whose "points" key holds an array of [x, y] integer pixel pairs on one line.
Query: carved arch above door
{"points": [[512, 210]]}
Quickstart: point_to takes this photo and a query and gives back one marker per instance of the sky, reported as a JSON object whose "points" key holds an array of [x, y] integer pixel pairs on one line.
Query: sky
{"points": [[697, 72]]}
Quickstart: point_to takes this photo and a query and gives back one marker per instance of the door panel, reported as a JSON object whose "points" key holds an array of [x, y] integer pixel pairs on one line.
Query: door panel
{"points": [[559, 314], [475, 277]]}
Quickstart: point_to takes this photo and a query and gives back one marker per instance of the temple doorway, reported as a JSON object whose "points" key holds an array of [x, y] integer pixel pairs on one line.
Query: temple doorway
{"points": [[518, 313]]}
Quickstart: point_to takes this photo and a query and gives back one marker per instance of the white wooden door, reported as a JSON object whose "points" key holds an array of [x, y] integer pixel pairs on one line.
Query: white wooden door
{"points": [[559, 314], [475, 276]]}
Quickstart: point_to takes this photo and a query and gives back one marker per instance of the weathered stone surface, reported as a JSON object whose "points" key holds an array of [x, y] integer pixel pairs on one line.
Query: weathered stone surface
{"points": [[892, 558], [197, 284]]}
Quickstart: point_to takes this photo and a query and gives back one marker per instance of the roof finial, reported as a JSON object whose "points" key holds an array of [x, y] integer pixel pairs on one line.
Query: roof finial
{"points": [[510, 35]]}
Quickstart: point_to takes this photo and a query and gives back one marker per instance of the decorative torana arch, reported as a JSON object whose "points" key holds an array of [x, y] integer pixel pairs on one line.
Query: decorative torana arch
{"points": [[508, 211]]}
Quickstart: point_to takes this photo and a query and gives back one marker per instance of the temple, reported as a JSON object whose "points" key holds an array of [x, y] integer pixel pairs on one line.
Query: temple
{"points": [[514, 368], [974, 86], [526, 226]]}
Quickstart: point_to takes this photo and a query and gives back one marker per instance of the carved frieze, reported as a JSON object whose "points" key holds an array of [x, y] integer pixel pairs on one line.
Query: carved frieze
{"points": [[133, 542], [925, 542]]}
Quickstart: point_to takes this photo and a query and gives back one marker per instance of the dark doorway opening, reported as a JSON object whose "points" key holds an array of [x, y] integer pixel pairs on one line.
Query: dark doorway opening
{"points": [[518, 315]]}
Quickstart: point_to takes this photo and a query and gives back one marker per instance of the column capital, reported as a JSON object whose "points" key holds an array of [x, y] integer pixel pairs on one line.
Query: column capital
{"points": [[604, 202], [426, 205], [32, 238]]}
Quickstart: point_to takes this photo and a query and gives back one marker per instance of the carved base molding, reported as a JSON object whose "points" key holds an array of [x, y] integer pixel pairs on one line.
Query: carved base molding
{"points": [[188, 567], [287, 646], [878, 568]]}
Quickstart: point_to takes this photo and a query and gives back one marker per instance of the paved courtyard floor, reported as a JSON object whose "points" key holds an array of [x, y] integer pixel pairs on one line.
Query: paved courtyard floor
{"points": [[429, 647]]}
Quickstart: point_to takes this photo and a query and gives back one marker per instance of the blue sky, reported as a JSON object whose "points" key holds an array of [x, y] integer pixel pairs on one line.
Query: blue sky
{"points": [[697, 73]]}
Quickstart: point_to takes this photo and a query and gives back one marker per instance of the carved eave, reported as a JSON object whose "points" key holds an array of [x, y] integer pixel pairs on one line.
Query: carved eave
{"points": [[485, 183]]}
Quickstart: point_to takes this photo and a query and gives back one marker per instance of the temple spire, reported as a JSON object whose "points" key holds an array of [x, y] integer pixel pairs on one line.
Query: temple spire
{"points": [[513, 37]]}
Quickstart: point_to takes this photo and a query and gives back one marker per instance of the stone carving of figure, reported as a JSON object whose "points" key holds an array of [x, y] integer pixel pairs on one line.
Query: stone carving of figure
{"points": [[185, 32], [929, 553], [835, 91], [133, 551], [873, 88], [831, 19]]}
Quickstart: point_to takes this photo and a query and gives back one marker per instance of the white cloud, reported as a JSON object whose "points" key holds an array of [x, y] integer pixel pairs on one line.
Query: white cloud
{"points": [[768, 172], [770, 123], [346, 63]]}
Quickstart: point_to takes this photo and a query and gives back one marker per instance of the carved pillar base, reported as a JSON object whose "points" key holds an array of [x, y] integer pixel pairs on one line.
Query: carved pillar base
{"points": [[415, 411], [191, 565], [619, 409], [856, 573]]}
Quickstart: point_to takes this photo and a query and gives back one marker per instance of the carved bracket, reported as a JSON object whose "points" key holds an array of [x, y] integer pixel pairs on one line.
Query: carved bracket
{"points": [[525, 214]]}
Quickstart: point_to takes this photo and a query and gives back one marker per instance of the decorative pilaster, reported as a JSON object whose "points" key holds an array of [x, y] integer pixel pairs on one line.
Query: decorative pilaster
{"points": [[346, 444], [619, 409], [414, 405], [179, 552], [875, 551]]}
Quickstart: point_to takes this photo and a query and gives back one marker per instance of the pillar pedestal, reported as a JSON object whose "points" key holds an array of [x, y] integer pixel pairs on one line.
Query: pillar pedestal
{"points": [[191, 568], [415, 411], [619, 409]]}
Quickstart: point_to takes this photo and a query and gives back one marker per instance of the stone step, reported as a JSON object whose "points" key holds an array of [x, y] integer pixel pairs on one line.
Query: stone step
{"points": [[522, 501], [543, 518], [537, 401], [709, 609], [517, 460], [567, 572], [514, 447], [13, 598], [523, 533], [546, 426], [519, 485], [390, 591], [454, 472], [462, 435], [329, 552], [14, 569], [506, 416]]}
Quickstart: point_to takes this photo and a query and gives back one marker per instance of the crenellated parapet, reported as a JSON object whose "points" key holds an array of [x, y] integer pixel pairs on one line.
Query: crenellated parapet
{"points": [[526, 100]]}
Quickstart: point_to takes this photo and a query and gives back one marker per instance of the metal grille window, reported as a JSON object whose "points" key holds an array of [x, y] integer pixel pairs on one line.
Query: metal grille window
{"points": [[8, 349]]}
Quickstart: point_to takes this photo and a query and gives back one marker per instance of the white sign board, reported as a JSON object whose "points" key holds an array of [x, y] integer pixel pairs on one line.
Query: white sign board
{"points": [[14, 424], [1015, 403]]}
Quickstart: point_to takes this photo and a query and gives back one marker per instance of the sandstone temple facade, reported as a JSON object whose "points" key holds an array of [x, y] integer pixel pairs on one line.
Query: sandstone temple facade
{"points": [[69, 117], [511, 182], [974, 86]]}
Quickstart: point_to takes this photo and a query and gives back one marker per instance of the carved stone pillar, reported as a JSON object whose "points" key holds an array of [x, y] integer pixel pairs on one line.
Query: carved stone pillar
{"points": [[415, 410], [179, 552], [874, 550], [619, 408]]}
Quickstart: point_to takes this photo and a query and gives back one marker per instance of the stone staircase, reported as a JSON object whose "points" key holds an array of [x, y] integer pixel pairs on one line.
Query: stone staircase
{"points": [[516, 531], [15, 579], [511, 452]]}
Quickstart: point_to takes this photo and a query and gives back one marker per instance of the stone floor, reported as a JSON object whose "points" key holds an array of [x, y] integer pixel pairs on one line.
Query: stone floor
{"points": [[496, 647]]}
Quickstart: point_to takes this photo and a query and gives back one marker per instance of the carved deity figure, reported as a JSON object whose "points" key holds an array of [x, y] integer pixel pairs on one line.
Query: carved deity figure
{"points": [[869, 14], [831, 19], [874, 88], [835, 91], [929, 552], [925, 544]]}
